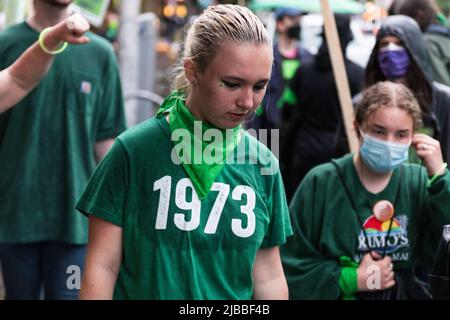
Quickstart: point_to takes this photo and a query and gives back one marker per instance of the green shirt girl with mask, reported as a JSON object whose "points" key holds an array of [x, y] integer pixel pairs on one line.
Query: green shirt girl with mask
{"points": [[360, 221]]}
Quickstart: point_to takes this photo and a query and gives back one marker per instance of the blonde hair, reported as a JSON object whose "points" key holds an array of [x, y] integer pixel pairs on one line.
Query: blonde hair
{"points": [[388, 94], [214, 26]]}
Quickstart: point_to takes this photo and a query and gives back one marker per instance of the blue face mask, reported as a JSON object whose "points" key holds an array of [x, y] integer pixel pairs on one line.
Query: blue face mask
{"points": [[382, 156], [393, 61]]}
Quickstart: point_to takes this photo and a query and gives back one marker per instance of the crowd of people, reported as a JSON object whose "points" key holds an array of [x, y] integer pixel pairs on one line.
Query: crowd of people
{"points": [[189, 204]]}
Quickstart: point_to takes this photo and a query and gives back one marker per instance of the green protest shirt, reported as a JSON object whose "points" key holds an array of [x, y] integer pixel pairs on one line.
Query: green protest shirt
{"points": [[176, 246], [326, 227], [47, 140]]}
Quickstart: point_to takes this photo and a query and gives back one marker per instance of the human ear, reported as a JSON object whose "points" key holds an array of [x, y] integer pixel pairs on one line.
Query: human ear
{"points": [[190, 71], [356, 128]]}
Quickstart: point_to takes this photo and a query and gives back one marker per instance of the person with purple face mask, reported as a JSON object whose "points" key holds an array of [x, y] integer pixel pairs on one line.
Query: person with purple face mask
{"points": [[393, 60], [400, 55], [436, 33]]}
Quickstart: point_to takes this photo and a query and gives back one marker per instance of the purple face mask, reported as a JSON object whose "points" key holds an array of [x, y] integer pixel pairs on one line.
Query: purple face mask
{"points": [[393, 61]]}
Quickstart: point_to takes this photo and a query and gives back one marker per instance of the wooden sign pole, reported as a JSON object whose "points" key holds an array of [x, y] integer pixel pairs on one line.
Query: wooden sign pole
{"points": [[340, 74]]}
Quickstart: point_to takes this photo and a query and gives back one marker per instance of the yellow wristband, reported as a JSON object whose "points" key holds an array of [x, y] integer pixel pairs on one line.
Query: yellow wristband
{"points": [[42, 45]]}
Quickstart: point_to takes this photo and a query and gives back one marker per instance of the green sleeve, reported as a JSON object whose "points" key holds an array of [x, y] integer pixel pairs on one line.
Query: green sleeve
{"points": [[439, 53], [112, 114], [435, 214], [348, 280], [310, 275], [280, 225], [105, 193]]}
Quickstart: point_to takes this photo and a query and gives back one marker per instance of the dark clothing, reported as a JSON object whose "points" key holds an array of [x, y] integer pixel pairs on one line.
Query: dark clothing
{"points": [[440, 113], [55, 266], [271, 117], [312, 131]]}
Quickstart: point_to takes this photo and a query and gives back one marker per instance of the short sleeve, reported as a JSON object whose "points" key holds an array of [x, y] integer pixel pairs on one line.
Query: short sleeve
{"points": [[105, 194], [112, 114], [280, 224]]}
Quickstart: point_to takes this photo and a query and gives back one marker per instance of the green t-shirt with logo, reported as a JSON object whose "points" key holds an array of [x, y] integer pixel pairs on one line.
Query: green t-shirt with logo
{"points": [[47, 140], [326, 226], [174, 245]]}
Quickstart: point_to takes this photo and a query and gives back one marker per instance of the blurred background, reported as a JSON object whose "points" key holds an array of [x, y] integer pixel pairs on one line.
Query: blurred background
{"points": [[148, 35]]}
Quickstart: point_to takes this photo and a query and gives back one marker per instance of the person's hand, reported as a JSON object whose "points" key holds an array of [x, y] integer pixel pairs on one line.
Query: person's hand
{"points": [[429, 150], [375, 274], [70, 30]]}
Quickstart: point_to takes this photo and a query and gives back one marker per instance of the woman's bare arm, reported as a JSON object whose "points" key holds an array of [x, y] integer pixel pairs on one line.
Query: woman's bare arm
{"points": [[103, 259], [269, 282], [26, 72]]}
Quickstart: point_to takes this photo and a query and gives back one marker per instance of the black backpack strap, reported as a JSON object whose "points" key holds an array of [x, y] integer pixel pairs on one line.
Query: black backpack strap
{"points": [[347, 191]]}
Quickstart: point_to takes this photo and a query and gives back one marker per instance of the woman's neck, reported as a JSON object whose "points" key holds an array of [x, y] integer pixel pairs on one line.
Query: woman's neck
{"points": [[192, 101], [374, 182]]}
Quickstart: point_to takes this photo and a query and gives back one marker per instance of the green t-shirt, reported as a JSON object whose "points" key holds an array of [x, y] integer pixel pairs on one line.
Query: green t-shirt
{"points": [[326, 227], [174, 245], [47, 140]]}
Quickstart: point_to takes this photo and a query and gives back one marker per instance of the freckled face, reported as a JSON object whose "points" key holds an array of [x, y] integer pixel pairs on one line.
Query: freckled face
{"points": [[233, 84]]}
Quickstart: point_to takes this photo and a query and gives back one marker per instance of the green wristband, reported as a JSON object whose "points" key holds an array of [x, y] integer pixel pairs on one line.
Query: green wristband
{"points": [[348, 282], [437, 175]]}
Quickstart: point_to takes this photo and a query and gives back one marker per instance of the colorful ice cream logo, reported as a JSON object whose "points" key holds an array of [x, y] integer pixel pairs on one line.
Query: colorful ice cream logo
{"points": [[375, 226], [380, 238]]}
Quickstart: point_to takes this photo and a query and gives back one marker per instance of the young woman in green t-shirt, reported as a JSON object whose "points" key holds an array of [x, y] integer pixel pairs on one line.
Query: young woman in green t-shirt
{"points": [[202, 230], [360, 221]]}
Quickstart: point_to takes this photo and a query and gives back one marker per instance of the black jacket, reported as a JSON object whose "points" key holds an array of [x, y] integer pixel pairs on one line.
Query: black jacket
{"points": [[312, 131]]}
